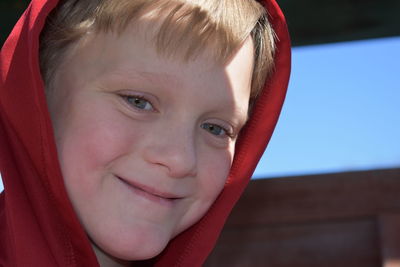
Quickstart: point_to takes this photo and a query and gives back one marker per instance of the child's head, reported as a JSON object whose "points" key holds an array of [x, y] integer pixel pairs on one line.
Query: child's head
{"points": [[188, 27], [147, 99]]}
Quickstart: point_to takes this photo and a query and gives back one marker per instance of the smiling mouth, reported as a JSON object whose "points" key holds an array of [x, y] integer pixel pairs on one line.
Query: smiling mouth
{"points": [[151, 194]]}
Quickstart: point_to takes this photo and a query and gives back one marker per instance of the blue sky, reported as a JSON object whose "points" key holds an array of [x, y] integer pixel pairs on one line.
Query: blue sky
{"points": [[342, 111]]}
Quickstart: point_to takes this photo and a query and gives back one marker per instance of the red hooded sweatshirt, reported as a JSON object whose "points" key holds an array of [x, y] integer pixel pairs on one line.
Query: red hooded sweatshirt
{"points": [[38, 226]]}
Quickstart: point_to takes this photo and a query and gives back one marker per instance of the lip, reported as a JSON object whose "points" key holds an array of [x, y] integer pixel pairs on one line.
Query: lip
{"points": [[150, 193]]}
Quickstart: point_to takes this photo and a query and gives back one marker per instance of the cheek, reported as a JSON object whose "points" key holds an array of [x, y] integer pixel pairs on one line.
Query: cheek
{"points": [[87, 144], [214, 172]]}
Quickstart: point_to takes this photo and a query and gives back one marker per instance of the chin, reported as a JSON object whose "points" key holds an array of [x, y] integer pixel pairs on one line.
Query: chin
{"points": [[133, 247]]}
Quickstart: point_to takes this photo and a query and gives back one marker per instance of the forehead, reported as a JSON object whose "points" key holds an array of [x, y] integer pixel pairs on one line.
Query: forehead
{"points": [[130, 59], [139, 42]]}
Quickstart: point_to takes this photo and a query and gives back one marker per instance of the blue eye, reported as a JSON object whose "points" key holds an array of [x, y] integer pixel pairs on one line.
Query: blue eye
{"points": [[138, 102], [214, 129]]}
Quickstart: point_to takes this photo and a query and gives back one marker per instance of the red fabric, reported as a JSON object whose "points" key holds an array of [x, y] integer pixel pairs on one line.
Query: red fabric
{"points": [[38, 226]]}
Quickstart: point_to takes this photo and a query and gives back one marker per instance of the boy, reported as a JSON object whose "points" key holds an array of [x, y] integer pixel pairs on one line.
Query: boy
{"points": [[147, 99]]}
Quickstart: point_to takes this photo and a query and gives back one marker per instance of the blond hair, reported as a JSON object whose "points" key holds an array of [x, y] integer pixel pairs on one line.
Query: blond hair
{"points": [[185, 29]]}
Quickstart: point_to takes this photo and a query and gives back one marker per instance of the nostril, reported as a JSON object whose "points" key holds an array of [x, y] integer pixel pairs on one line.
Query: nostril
{"points": [[176, 161]]}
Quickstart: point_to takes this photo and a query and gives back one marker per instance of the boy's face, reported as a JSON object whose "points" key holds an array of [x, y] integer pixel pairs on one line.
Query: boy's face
{"points": [[143, 141]]}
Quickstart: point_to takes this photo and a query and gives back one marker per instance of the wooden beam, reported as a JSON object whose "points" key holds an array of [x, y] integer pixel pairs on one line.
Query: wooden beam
{"points": [[328, 244], [314, 198], [389, 228], [331, 220]]}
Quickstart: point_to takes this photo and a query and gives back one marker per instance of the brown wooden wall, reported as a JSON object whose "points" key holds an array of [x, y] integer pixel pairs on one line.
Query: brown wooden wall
{"points": [[344, 219]]}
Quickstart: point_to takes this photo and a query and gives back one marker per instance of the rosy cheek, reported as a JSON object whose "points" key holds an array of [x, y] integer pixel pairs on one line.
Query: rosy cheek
{"points": [[87, 145]]}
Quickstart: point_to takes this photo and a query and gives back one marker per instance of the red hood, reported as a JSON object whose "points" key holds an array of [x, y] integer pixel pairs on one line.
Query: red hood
{"points": [[38, 226]]}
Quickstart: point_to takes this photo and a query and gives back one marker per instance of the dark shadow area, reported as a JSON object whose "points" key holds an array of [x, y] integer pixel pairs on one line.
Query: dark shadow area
{"points": [[331, 220]]}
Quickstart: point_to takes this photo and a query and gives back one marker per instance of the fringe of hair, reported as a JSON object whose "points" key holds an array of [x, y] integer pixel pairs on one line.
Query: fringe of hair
{"points": [[185, 29]]}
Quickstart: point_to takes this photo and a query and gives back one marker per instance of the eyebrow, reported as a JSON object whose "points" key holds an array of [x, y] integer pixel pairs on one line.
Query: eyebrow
{"points": [[146, 76]]}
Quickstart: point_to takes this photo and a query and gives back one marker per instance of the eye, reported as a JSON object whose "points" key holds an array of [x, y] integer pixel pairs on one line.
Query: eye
{"points": [[138, 102], [216, 129]]}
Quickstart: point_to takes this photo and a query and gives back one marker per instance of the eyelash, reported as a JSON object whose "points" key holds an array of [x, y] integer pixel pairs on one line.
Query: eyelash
{"points": [[227, 132], [126, 97]]}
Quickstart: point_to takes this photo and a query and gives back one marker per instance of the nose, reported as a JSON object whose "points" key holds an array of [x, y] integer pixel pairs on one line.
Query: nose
{"points": [[173, 150]]}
